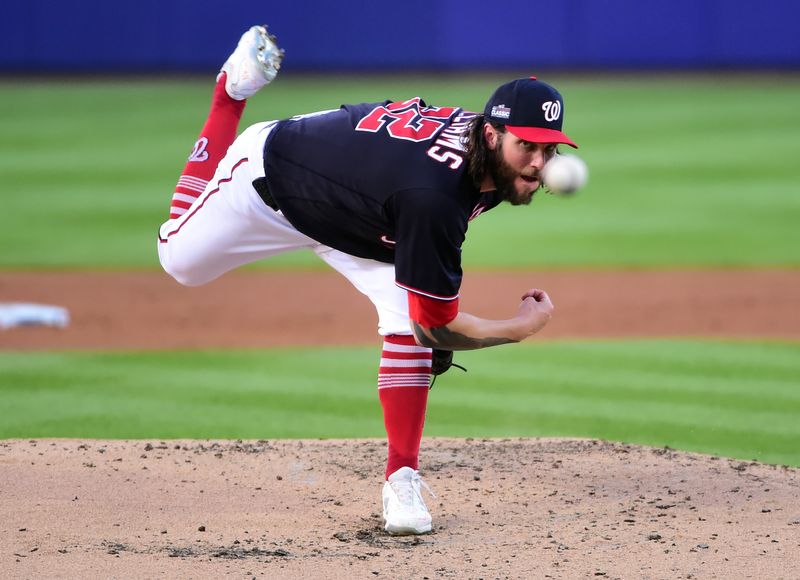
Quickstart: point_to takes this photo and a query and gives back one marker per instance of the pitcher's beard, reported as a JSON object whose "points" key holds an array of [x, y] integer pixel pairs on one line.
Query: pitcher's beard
{"points": [[504, 177]]}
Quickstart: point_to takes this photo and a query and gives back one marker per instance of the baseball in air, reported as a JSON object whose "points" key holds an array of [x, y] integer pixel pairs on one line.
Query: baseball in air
{"points": [[565, 174]]}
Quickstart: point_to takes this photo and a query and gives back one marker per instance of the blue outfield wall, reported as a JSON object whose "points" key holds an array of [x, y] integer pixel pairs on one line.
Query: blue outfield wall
{"points": [[194, 35]]}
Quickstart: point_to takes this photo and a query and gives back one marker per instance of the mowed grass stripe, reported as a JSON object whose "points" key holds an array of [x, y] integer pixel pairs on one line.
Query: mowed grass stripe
{"points": [[729, 398], [193, 394], [682, 172], [735, 399]]}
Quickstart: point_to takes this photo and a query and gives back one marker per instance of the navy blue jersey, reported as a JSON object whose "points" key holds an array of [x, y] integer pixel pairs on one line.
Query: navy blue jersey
{"points": [[386, 181]]}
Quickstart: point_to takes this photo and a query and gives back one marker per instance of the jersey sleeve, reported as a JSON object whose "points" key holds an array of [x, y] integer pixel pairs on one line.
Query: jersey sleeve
{"points": [[429, 312], [429, 230]]}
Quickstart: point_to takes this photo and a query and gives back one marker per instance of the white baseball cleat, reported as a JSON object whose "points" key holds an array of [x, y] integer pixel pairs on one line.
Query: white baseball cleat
{"points": [[253, 64], [404, 510]]}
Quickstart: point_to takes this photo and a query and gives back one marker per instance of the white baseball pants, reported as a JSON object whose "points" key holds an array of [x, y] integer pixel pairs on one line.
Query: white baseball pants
{"points": [[229, 225]]}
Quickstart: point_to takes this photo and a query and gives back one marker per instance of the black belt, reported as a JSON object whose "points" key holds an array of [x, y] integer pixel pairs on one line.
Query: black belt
{"points": [[260, 185]]}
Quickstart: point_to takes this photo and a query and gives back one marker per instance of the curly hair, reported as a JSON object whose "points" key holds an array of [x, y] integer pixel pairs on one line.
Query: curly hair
{"points": [[477, 151]]}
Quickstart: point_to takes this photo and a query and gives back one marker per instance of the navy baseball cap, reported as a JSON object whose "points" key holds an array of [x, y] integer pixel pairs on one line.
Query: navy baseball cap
{"points": [[530, 109]]}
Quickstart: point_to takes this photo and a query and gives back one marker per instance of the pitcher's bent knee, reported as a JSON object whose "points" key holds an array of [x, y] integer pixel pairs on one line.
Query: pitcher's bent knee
{"points": [[185, 268]]}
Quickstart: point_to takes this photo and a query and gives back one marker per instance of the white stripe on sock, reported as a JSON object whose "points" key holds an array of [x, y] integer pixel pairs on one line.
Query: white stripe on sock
{"points": [[406, 362], [185, 197], [198, 187], [194, 180], [403, 348], [405, 381]]}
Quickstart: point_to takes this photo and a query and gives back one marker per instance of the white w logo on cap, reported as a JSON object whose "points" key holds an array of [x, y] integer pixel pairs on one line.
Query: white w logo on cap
{"points": [[552, 110]]}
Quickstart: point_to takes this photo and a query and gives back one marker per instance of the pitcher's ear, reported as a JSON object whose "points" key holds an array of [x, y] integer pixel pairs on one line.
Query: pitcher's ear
{"points": [[490, 135]]}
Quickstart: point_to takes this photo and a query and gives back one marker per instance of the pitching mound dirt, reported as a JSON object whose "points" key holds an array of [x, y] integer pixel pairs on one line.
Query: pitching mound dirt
{"points": [[310, 509]]}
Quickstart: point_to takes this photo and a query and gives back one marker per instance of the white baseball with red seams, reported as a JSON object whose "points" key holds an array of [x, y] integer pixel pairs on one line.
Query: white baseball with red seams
{"points": [[565, 174]]}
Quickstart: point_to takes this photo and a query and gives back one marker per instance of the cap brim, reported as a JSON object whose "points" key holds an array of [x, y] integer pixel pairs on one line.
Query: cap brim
{"points": [[541, 135]]}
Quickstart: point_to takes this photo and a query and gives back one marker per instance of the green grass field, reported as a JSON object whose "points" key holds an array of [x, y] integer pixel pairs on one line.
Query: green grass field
{"points": [[735, 399], [685, 172]]}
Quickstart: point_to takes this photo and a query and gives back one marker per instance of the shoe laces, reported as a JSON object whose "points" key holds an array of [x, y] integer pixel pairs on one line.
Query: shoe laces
{"points": [[423, 485], [407, 491]]}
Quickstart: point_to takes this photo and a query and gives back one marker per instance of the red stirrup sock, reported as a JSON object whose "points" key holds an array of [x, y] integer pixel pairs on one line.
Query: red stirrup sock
{"points": [[403, 383], [209, 149]]}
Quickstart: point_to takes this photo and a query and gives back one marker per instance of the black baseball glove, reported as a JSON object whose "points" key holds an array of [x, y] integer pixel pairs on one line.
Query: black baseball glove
{"points": [[441, 363]]}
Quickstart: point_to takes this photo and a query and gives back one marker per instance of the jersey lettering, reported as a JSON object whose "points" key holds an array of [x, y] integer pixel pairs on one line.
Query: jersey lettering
{"points": [[444, 156], [406, 120], [452, 138]]}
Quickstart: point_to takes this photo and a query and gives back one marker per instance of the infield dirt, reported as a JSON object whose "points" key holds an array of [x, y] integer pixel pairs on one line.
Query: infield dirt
{"points": [[509, 508], [149, 310], [310, 509]]}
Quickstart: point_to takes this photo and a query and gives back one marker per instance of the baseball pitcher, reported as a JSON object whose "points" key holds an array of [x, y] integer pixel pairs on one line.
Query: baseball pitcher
{"points": [[382, 192]]}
